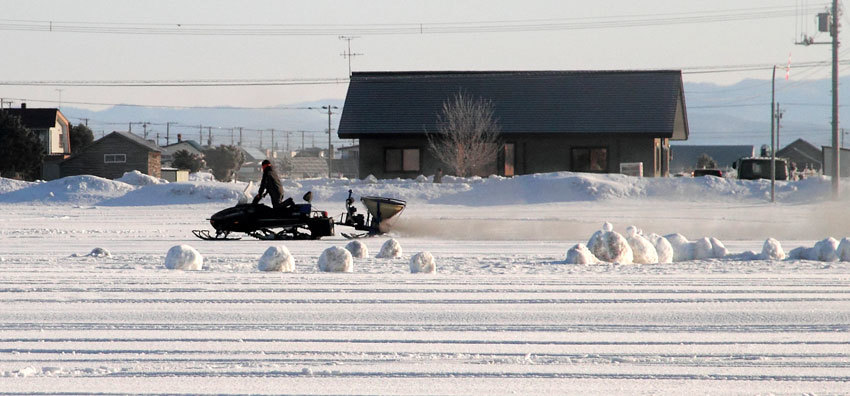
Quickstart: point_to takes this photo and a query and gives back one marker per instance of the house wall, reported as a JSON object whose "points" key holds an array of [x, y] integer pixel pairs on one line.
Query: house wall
{"points": [[91, 161], [535, 153]]}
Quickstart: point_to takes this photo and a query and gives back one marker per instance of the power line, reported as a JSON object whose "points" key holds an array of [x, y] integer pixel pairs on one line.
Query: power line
{"points": [[528, 25]]}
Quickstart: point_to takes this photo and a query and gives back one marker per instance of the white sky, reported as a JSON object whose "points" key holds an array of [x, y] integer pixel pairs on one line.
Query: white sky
{"points": [[30, 55]]}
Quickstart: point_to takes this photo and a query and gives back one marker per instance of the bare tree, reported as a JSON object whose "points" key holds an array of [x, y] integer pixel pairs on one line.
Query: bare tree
{"points": [[468, 135]]}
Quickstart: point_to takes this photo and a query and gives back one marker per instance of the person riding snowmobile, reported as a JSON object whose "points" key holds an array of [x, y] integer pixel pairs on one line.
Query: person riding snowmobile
{"points": [[270, 184]]}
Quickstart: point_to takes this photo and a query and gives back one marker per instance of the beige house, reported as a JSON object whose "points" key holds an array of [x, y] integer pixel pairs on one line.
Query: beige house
{"points": [[54, 131]]}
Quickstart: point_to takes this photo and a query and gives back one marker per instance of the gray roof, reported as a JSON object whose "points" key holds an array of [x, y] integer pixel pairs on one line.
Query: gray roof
{"points": [[633, 102], [254, 154], [685, 156], [137, 139], [309, 166], [192, 143]]}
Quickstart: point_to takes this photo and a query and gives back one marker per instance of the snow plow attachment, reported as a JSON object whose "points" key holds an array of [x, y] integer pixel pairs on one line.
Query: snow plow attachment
{"points": [[381, 213]]}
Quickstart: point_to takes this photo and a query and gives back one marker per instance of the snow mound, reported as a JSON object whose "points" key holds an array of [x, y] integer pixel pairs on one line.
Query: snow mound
{"points": [[772, 250], [683, 250], [422, 262], [718, 248], [202, 177], [99, 252], [580, 254], [825, 250], [178, 193], [136, 178], [610, 246], [183, 257], [643, 251], [371, 179], [843, 250], [82, 190], [390, 249], [421, 179], [335, 259], [357, 249], [662, 248], [702, 249], [9, 185], [277, 258]]}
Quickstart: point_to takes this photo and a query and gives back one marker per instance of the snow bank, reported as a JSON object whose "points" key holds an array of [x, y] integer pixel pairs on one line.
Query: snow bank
{"points": [[183, 257], [83, 190], [610, 246], [772, 250], [422, 262], [390, 249], [201, 177], [136, 178], [9, 185], [336, 259], [178, 194], [580, 254], [277, 258], [357, 249]]}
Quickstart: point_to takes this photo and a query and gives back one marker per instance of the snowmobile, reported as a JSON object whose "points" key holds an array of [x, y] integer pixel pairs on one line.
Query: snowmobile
{"points": [[381, 212], [291, 221]]}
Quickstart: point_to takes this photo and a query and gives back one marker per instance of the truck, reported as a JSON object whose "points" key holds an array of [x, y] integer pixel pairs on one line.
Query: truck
{"points": [[753, 168]]}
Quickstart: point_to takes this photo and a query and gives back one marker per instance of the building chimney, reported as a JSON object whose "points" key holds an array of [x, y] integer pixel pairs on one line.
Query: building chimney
{"points": [[179, 137], [23, 105]]}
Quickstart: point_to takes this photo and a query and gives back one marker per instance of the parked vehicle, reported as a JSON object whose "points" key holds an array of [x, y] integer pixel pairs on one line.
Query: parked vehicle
{"points": [[708, 172], [752, 168]]}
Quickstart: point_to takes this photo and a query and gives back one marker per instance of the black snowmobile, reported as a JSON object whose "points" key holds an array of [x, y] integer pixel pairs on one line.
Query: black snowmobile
{"points": [[292, 221]]}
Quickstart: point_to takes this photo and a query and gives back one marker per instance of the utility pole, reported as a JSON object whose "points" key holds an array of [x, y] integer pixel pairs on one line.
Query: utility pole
{"points": [[287, 144], [828, 22], [779, 113], [302, 140], [231, 136], [273, 147], [168, 132], [200, 135], [85, 120], [130, 127], [209, 136], [240, 136], [145, 129], [772, 137], [348, 54], [261, 139]]}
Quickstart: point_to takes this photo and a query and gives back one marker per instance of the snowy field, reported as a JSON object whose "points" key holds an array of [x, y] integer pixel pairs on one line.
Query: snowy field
{"points": [[503, 314]]}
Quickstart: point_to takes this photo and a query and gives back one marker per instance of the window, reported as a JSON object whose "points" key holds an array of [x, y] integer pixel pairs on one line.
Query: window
{"points": [[402, 160], [589, 159], [114, 158]]}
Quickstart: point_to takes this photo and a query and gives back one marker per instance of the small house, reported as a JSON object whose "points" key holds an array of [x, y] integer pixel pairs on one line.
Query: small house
{"points": [[54, 131], [113, 155], [803, 155], [583, 121]]}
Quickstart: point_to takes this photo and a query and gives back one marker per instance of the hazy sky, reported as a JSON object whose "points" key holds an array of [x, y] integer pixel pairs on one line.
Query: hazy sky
{"points": [[595, 35]]}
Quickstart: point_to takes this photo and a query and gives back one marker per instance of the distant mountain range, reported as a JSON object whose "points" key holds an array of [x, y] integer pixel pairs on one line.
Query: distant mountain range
{"points": [[735, 114]]}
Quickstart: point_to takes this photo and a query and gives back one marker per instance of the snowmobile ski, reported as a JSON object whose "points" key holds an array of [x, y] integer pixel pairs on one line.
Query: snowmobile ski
{"points": [[219, 235]]}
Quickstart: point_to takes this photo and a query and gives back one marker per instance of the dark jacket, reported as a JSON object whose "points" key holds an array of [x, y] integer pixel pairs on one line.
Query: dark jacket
{"points": [[271, 184]]}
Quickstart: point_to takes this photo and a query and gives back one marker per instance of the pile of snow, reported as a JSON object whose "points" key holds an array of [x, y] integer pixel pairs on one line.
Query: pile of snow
{"points": [[336, 259], [824, 250], [136, 178], [9, 185], [277, 258], [643, 251], [663, 248], [390, 249], [422, 262], [201, 177], [843, 250], [772, 250], [82, 190], [608, 245], [357, 249], [683, 250], [580, 254], [99, 252], [183, 257], [178, 194]]}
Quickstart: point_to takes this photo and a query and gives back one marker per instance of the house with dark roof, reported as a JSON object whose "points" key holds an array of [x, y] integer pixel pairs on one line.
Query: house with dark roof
{"points": [[54, 131], [584, 121], [684, 157], [113, 155], [803, 155], [189, 145]]}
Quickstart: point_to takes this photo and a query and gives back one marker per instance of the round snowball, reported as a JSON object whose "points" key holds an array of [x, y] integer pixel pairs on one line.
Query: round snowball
{"points": [[683, 250], [607, 227], [357, 249], [99, 252], [422, 262], [702, 249], [336, 259], [611, 247], [184, 257], [580, 254], [390, 249], [662, 248], [826, 249], [718, 249], [772, 250], [277, 258], [643, 251], [843, 250]]}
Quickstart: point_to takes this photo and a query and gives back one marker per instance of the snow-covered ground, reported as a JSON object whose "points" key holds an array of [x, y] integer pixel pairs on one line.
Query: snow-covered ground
{"points": [[502, 314]]}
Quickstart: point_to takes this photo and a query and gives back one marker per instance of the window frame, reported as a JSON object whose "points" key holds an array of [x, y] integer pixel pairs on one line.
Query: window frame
{"points": [[401, 151], [116, 158], [574, 166]]}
